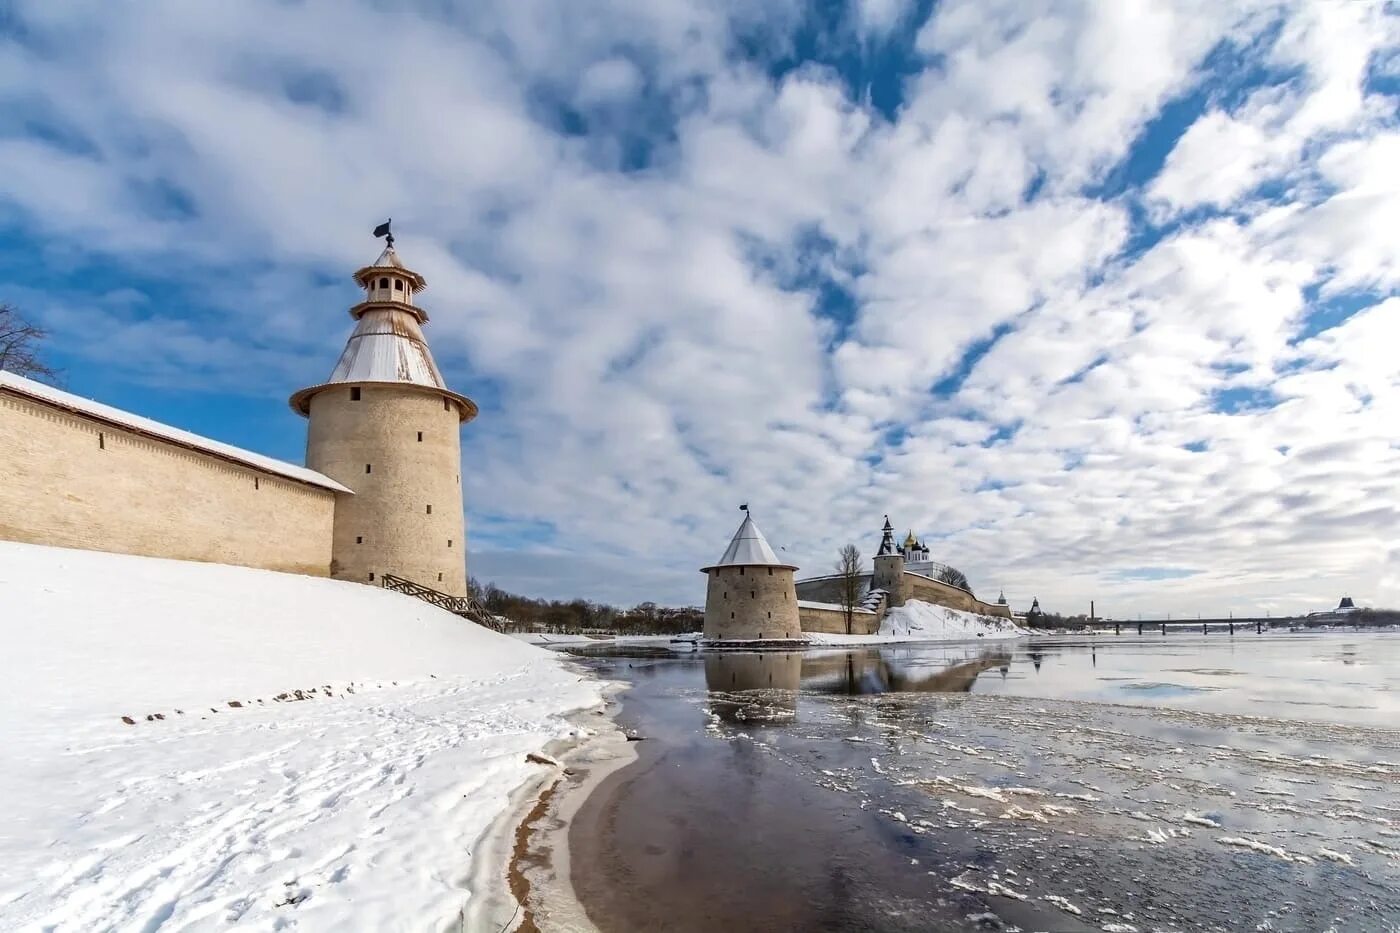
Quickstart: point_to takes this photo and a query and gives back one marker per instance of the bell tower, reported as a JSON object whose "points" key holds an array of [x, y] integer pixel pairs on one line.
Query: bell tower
{"points": [[386, 425]]}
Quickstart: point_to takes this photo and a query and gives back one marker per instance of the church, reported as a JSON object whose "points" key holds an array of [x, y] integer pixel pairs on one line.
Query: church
{"points": [[380, 494]]}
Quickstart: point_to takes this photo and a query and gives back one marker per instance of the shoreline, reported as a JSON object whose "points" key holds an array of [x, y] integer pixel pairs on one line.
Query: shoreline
{"points": [[520, 869]]}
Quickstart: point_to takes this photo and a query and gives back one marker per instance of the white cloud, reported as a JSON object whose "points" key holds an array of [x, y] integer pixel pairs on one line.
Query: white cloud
{"points": [[655, 340]]}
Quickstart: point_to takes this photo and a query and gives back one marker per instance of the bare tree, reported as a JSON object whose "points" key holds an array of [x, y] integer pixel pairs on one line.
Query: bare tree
{"points": [[954, 576], [849, 568], [19, 346]]}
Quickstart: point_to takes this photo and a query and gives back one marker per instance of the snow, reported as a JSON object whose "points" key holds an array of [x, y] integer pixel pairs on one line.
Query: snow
{"points": [[918, 621], [126, 419], [358, 807]]}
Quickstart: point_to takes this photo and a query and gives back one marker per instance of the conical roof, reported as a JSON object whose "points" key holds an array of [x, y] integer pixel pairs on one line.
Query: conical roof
{"points": [[389, 261], [388, 345], [748, 548]]}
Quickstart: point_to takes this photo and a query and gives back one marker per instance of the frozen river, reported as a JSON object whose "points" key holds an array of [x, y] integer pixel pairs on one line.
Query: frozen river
{"points": [[1183, 782]]}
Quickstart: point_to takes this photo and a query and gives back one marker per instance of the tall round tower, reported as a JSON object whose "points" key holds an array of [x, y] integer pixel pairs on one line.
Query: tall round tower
{"points": [[751, 594], [386, 425]]}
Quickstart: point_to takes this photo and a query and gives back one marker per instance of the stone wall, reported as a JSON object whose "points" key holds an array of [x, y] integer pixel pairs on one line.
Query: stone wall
{"points": [[400, 450], [928, 590], [901, 585], [833, 621], [828, 589], [76, 481], [751, 603]]}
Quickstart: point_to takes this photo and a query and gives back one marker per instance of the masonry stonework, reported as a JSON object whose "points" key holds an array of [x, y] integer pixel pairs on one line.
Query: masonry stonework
{"points": [[399, 449], [73, 481], [833, 621], [751, 603]]}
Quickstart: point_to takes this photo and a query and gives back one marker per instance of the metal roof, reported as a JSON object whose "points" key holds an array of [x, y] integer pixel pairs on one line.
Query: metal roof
{"points": [[387, 346], [138, 425], [749, 548]]}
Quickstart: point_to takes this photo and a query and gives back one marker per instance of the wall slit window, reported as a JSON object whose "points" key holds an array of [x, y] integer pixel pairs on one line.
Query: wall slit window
{"points": [[354, 393], [359, 539], [420, 437], [369, 468], [256, 484], [371, 576], [101, 441], [430, 510]]}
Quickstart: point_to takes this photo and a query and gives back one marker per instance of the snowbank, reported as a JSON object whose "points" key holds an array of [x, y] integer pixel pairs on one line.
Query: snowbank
{"points": [[938, 623], [357, 807]]}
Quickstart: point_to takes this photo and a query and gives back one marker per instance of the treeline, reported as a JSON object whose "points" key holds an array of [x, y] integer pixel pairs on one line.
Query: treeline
{"points": [[1361, 618], [579, 615]]}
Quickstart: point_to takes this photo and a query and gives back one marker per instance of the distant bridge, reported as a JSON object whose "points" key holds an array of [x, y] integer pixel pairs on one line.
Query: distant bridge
{"points": [[1259, 624]]}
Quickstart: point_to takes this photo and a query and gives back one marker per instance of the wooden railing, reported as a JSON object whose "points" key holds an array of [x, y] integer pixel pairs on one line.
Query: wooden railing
{"points": [[464, 606]]}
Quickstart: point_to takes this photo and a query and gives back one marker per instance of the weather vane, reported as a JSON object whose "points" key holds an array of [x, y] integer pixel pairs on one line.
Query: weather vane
{"points": [[383, 231]]}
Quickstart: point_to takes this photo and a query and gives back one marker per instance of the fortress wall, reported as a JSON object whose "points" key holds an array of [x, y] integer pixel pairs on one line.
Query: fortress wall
{"points": [[828, 589], [73, 481], [833, 621], [943, 594], [751, 603]]}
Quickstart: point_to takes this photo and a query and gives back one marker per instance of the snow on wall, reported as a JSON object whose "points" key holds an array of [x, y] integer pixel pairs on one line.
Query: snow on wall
{"points": [[939, 622], [356, 809]]}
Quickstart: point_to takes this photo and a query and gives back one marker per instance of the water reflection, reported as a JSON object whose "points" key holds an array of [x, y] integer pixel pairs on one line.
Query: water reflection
{"points": [[764, 686], [754, 687]]}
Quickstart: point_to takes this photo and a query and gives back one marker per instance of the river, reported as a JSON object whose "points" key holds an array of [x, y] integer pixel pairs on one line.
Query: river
{"points": [[1178, 782]]}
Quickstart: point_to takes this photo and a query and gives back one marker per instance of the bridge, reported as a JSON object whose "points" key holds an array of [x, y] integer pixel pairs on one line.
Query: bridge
{"points": [[1259, 624]]}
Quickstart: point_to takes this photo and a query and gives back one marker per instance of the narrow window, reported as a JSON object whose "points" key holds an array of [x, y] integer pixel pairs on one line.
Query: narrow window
{"points": [[398, 286], [430, 510], [439, 576], [420, 437], [101, 441], [371, 576], [359, 539], [770, 615], [255, 483], [354, 393], [368, 468], [449, 542], [741, 571], [383, 283], [753, 593], [446, 405], [731, 615], [726, 594]]}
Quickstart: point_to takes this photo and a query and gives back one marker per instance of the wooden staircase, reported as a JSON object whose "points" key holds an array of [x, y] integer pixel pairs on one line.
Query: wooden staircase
{"points": [[464, 606]]}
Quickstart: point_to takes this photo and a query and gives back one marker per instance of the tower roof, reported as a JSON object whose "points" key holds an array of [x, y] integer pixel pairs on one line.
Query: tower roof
{"points": [[387, 345], [748, 548], [389, 261]]}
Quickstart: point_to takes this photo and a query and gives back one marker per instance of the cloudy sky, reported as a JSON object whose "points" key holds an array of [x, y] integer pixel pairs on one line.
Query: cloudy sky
{"points": [[1102, 299]]}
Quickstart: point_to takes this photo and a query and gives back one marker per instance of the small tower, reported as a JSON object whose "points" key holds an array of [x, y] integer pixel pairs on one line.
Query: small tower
{"points": [[386, 425], [888, 574], [751, 595]]}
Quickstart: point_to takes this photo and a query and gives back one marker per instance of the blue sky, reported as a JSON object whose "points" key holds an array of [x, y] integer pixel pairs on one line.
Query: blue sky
{"points": [[1100, 298]]}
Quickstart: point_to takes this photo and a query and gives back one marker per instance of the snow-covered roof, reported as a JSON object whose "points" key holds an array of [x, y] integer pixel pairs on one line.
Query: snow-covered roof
{"points": [[749, 548], [125, 419]]}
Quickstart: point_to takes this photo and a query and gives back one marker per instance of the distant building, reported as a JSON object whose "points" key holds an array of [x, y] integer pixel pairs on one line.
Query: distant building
{"points": [[750, 595]]}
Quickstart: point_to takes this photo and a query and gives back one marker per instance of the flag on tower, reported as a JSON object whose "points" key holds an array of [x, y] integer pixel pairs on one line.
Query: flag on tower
{"points": [[383, 229], [744, 507]]}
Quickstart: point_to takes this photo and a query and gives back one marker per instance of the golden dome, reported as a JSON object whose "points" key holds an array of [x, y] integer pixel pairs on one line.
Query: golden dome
{"points": [[909, 542]]}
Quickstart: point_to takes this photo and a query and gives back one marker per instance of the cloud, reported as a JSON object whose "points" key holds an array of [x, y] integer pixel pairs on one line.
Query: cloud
{"points": [[684, 261]]}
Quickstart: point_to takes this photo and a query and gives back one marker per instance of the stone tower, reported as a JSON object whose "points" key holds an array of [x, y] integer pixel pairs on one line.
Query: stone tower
{"points": [[751, 595], [888, 574], [386, 425]]}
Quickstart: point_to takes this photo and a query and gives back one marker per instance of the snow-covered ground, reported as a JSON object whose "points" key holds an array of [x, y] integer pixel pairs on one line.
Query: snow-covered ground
{"points": [[301, 752], [926, 622]]}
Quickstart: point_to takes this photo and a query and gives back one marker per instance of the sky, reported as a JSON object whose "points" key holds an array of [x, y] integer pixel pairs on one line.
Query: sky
{"points": [[1102, 300]]}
